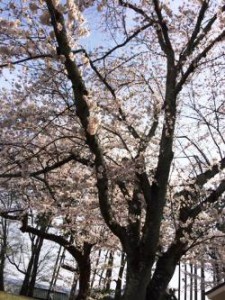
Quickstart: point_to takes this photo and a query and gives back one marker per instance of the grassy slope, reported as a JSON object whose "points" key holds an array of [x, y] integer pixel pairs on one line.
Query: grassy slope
{"points": [[5, 296]]}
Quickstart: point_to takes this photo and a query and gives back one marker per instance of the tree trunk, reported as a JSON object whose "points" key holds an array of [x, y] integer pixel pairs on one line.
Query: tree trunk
{"points": [[216, 268], [35, 266], [202, 281], [82, 256], [108, 275], [74, 287], [84, 266], [102, 272], [164, 271], [3, 252], [120, 276], [84, 278], [26, 280], [95, 269], [179, 280], [27, 288], [137, 280], [191, 281], [185, 281], [2, 266], [157, 289], [196, 282], [55, 271]]}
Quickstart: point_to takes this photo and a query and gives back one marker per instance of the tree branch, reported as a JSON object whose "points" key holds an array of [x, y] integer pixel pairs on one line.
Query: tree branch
{"points": [[77, 254], [72, 157], [194, 64], [191, 45], [202, 178], [26, 59], [163, 31], [80, 94], [136, 9], [128, 39]]}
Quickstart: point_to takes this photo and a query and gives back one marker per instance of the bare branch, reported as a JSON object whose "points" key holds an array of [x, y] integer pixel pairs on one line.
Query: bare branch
{"points": [[128, 39], [194, 64], [72, 157], [163, 31], [191, 45]]}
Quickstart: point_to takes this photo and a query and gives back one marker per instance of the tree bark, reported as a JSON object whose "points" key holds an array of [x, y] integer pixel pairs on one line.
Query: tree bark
{"points": [[54, 274], [28, 285], [196, 282], [82, 256], [137, 279], [185, 281], [95, 268], [191, 281], [120, 275], [2, 266], [179, 280], [35, 267], [102, 272], [3, 253], [157, 286], [108, 276], [202, 281], [74, 287], [164, 271], [84, 265]]}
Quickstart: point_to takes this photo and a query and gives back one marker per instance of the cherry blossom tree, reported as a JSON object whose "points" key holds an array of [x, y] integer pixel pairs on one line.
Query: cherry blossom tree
{"points": [[131, 132]]}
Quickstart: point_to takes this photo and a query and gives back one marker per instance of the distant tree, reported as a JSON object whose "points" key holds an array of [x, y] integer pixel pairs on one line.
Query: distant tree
{"points": [[31, 272], [6, 203], [118, 289], [80, 253], [3, 250]]}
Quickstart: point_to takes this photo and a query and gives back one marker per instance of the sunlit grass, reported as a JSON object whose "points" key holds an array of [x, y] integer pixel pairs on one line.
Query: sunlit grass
{"points": [[5, 296]]}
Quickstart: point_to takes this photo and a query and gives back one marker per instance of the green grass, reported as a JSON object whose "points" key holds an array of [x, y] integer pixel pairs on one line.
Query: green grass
{"points": [[5, 296]]}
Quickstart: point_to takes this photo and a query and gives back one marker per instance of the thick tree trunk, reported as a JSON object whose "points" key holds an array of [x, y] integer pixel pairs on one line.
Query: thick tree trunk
{"points": [[84, 279], [137, 281], [157, 289], [136, 286], [164, 271]]}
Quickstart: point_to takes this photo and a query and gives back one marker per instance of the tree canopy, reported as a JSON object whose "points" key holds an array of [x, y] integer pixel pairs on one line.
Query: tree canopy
{"points": [[112, 120]]}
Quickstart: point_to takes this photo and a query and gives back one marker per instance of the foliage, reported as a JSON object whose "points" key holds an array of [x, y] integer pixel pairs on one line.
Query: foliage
{"points": [[120, 142]]}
